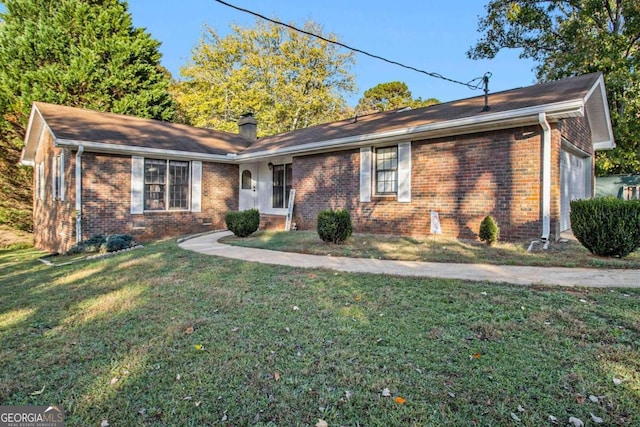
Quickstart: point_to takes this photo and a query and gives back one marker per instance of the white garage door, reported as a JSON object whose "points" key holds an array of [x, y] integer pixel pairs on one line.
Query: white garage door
{"points": [[575, 183]]}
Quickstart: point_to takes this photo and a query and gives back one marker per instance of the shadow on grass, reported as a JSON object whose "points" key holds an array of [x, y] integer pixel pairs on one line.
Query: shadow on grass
{"points": [[163, 336]]}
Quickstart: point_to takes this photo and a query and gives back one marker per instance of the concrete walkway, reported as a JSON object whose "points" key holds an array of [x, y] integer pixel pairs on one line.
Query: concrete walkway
{"points": [[554, 276]]}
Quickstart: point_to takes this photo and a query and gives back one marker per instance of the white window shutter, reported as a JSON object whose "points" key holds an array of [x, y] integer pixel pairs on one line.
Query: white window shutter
{"points": [[62, 183], [54, 177], [196, 186], [137, 185], [42, 181], [404, 172], [365, 174]]}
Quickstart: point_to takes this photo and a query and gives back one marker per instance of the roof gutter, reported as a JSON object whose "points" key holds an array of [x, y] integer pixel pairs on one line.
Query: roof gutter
{"points": [[546, 176], [143, 151], [573, 108]]}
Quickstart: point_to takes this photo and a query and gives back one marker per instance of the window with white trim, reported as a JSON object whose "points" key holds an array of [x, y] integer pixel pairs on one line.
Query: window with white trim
{"points": [[631, 192], [41, 181], [386, 171], [281, 185], [166, 185]]}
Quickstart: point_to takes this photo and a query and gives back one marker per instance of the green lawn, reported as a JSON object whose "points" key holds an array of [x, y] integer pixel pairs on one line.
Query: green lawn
{"points": [[162, 336], [564, 253]]}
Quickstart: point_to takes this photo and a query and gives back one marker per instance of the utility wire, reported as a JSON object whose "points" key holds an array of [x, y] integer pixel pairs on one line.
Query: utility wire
{"points": [[474, 84]]}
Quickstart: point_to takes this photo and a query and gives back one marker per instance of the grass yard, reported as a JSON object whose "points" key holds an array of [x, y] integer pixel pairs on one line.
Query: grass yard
{"points": [[164, 337], [565, 253]]}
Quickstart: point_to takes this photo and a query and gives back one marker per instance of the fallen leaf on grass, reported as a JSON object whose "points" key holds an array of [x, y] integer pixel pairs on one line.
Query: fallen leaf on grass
{"points": [[515, 417], [580, 399], [386, 392], [199, 347], [520, 408], [114, 380], [296, 308], [617, 381], [236, 329], [178, 377], [276, 376], [400, 401], [594, 399], [189, 330], [322, 423], [553, 419], [35, 393], [476, 355], [104, 423], [596, 419], [576, 422]]}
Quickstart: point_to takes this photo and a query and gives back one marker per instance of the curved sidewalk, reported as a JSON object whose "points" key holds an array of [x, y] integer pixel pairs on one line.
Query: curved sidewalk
{"points": [[520, 275]]}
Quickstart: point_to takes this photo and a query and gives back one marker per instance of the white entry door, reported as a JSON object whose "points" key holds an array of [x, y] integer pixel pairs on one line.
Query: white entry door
{"points": [[248, 187], [575, 183]]}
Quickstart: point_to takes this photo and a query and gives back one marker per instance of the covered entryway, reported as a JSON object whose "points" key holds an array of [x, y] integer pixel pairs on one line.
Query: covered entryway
{"points": [[575, 182], [248, 187]]}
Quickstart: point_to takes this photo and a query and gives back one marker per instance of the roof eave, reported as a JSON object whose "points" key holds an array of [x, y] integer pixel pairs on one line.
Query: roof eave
{"points": [[128, 150], [35, 127], [597, 108], [491, 121]]}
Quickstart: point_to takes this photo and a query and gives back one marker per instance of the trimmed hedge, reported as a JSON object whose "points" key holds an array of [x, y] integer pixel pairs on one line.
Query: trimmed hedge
{"points": [[334, 226], [607, 226], [489, 230], [243, 223], [103, 244]]}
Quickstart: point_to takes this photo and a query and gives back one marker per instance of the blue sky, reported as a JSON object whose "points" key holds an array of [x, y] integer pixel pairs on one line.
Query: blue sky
{"points": [[432, 35]]}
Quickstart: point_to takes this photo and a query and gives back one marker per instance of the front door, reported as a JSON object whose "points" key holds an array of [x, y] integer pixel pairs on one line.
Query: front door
{"points": [[248, 187]]}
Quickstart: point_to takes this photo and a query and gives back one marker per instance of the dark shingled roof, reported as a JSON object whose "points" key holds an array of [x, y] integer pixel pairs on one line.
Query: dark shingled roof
{"points": [[86, 125], [82, 125], [531, 96]]}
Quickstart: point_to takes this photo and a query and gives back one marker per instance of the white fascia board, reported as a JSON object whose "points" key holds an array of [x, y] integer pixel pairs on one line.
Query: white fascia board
{"points": [[608, 144], [504, 120], [129, 150], [31, 140], [604, 145]]}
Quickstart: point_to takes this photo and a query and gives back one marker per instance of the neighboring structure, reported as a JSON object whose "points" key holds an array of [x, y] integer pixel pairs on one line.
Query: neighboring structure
{"points": [[522, 161], [626, 187]]}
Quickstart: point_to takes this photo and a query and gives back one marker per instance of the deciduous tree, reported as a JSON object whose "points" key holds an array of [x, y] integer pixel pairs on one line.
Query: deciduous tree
{"points": [[82, 53], [570, 37], [391, 96], [289, 80]]}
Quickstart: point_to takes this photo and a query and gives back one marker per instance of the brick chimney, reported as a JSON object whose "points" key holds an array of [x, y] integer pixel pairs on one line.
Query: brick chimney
{"points": [[248, 127]]}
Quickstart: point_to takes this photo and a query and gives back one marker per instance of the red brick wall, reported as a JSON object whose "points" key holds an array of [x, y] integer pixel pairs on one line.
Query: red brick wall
{"points": [[106, 196], [462, 178], [53, 219], [106, 202]]}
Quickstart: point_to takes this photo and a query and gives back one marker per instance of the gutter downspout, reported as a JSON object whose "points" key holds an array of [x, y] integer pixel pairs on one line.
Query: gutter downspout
{"points": [[546, 177], [79, 193]]}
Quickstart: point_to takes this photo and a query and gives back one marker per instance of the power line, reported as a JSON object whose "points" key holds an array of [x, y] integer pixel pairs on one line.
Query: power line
{"points": [[474, 84]]}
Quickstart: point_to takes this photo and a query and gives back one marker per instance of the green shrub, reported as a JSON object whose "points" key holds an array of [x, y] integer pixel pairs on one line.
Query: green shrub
{"points": [[489, 230], [117, 242], [102, 244], [334, 226], [243, 223], [607, 226]]}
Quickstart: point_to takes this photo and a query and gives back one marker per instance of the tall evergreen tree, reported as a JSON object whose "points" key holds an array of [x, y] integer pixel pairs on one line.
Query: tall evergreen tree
{"points": [[81, 53]]}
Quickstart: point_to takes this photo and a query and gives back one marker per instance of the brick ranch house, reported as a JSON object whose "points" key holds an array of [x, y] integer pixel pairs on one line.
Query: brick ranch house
{"points": [[521, 161]]}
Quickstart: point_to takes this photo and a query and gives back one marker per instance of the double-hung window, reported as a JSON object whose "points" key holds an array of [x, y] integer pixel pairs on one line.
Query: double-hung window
{"points": [[281, 185], [166, 185], [386, 170]]}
